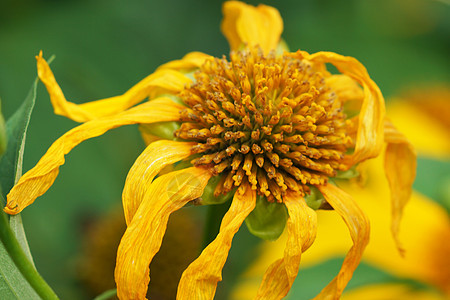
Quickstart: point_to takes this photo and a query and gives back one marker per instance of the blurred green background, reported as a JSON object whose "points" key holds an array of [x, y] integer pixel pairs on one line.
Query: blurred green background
{"points": [[103, 47]]}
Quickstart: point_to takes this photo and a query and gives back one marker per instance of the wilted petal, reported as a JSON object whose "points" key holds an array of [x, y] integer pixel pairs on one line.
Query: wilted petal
{"points": [[400, 167], [190, 61], [163, 81], [369, 140], [301, 230], [151, 161], [359, 228], [345, 87], [199, 280], [144, 234], [243, 23], [39, 179]]}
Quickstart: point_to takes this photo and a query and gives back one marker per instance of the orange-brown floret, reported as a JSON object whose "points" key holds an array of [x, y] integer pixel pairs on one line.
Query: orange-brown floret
{"points": [[270, 120]]}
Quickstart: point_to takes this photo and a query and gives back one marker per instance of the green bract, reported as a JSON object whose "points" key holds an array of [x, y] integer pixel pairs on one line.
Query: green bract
{"points": [[267, 220], [315, 199], [208, 193]]}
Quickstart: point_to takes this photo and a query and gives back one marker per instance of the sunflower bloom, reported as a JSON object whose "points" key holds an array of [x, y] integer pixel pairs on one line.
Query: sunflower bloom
{"points": [[261, 125]]}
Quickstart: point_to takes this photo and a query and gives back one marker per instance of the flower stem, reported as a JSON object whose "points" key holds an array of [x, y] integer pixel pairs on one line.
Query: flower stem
{"points": [[21, 261]]}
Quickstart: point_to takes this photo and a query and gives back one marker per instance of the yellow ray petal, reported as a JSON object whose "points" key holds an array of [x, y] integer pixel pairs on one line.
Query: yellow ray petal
{"points": [[151, 161], [359, 228], [301, 230], [345, 88], [189, 62], [39, 179], [144, 235], [400, 167], [243, 23], [369, 140], [199, 280], [163, 81]]}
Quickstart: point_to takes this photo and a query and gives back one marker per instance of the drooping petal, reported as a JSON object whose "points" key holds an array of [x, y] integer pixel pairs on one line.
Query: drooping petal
{"points": [[190, 61], [359, 228], [345, 87], [151, 161], [144, 234], [369, 140], [162, 81], [39, 179], [400, 168], [243, 23], [301, 230], [199, 280]]}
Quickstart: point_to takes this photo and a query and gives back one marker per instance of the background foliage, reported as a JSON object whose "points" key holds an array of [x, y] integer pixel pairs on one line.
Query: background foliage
{"points": [[103, 47]]}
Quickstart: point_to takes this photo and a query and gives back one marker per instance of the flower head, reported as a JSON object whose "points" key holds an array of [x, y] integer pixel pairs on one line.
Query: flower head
{"points": [[263, 124]]}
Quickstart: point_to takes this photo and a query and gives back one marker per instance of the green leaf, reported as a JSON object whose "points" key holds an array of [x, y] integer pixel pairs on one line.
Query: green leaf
{"points": [[11, 162], [13, 284], [16, 129], [18, 277], [267, 220]]}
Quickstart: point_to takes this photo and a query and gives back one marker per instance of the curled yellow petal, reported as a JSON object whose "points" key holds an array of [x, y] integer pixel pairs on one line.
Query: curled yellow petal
{"points": [[301, 231], [345, 87], [151, 161], [359, 228], [189, 62], [144, 234], [243, 23], [199, 280], [38, 180], [400, 168], [369, 139], [162, 81]]}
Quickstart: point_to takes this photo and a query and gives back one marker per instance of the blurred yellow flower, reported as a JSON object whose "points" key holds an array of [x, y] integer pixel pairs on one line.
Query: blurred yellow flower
{"points": [[263, 124], [426, 235]]}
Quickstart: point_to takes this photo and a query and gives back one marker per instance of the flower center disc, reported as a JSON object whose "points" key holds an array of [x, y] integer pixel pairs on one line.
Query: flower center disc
{"points": [[270, 120]]}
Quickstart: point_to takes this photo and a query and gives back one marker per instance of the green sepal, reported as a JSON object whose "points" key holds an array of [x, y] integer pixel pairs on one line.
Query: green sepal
{"points": [[349, 174], [162, 130], [208, 193], [315, 198], [282, 47], [267, 220]]}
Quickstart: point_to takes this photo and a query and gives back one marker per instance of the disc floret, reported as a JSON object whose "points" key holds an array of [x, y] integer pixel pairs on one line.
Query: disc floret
{"points": [[267, 119]]}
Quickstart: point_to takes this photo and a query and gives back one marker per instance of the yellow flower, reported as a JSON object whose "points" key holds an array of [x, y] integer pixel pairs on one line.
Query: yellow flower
{"points": [[426, 237], [259, 124]]}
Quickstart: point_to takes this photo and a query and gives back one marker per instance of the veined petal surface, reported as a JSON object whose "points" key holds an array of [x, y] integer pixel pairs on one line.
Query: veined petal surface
{"points": [[359, 228], [38, 180], [246, 24], [400, 164], [151, 161], [301, 231], [369, 140], [162, 81], [199, 280], [345, 87], [144, 234]]}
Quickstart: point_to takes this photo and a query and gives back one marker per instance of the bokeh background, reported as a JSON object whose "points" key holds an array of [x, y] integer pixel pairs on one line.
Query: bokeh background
{"points": [[103, 47]]}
